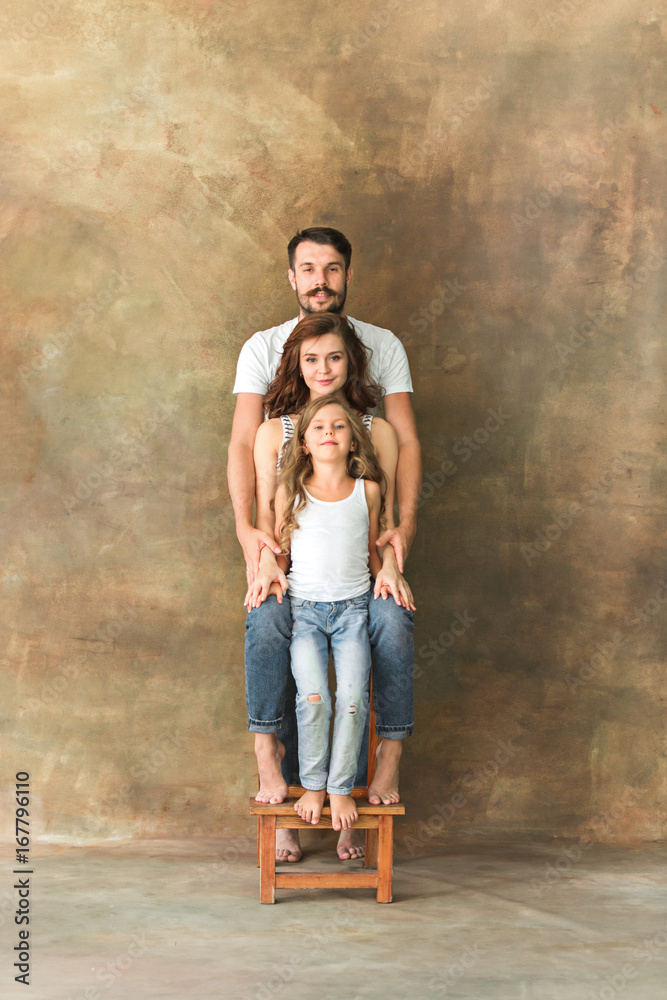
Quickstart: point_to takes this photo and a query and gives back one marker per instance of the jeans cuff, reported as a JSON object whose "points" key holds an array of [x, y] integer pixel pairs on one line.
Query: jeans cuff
{"points": [[320, 787], [394, 732], [256, 726], [339, 791]]}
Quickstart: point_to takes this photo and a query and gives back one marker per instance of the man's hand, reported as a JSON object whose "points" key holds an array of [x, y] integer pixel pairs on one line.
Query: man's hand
{"points": [[252, 542], [400, 539]]}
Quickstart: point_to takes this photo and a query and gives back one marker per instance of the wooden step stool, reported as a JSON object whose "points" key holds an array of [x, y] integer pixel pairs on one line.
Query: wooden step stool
{"points": [[377, 821]]}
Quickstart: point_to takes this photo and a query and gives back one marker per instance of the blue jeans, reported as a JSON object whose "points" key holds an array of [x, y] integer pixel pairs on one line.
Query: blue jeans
{"points": [[271, 692], [343, 627]]}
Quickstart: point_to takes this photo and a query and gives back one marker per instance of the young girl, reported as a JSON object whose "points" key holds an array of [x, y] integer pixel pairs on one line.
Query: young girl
{"points": [[328, 510]]}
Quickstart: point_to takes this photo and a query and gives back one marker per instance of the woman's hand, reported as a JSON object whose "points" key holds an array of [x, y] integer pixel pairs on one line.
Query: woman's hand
{"points": [[390, 581], [253, 542], [260, 589], [270, 580]]}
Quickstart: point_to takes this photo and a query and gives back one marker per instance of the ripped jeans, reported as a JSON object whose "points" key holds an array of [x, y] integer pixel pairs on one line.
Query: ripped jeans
{"points": [[343, 625]]}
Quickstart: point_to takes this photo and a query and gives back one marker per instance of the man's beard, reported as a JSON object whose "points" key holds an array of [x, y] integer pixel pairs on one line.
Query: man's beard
{"points": [[334, 307]]}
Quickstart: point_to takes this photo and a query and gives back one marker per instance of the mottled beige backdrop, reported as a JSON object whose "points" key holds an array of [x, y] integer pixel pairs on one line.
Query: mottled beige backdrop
{"points": [[500, 170]]}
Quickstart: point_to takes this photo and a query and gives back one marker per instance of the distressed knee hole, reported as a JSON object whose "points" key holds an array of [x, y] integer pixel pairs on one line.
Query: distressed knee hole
{"points": [[314, 697], [352, 710]]}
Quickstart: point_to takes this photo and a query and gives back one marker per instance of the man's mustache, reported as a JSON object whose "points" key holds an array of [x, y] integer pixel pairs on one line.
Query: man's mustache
{"points": [[322, 288]]}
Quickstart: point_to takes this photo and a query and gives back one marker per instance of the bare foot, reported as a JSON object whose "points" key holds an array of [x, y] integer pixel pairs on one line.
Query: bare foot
{"points": [[309, 806], [343, 812], [384, 786], [270, 752], [288, 847], [351, 845]]}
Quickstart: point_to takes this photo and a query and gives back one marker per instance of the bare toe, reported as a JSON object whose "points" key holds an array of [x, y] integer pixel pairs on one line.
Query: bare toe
{"points": [[351, 845], [384, 786], [270, 752], [288, 848], [351, 853]]}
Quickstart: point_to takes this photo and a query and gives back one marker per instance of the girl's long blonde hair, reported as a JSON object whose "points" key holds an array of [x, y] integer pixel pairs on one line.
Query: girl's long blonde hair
{"points": [[297, 467]]}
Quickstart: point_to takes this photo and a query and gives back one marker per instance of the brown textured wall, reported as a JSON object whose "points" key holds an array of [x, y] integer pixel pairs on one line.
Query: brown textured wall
{"points": [[499, 169]]}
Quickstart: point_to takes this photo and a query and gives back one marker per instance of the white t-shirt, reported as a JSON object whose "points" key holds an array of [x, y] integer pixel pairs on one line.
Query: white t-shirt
{"points": [[260, 356]]}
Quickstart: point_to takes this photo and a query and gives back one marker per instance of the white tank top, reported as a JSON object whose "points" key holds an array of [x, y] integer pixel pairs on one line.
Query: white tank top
{"points": [[330, 549]]}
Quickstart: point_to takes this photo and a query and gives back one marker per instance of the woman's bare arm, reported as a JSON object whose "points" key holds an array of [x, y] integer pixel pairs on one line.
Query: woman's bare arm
{"points": [[388, 578], [280, 517], [248, 417], [398, 410], [265, 454], [271, 576], [385, 443], [373, 500]]}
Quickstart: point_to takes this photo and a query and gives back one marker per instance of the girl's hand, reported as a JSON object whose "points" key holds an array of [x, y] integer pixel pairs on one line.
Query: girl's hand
{"points": [[390, 581], [258, 591]]}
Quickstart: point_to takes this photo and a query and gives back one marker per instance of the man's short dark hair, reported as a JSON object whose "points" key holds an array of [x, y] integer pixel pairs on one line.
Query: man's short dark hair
{"points": [[325, 236]]}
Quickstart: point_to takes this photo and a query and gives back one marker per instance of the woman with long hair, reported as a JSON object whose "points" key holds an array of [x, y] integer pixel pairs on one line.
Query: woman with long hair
{"points": [[322, 356]]}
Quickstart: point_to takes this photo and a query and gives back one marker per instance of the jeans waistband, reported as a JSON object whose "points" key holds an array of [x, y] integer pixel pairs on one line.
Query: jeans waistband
{"points": [[300, 602]]}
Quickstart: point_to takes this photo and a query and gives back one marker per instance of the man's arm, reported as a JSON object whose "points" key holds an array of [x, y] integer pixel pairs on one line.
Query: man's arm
{"points": [[248, 415], [398, 411]]}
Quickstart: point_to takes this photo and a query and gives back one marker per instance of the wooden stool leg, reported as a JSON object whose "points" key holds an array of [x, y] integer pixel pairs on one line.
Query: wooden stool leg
{"points": [[371, 855], [259, 832], [267, 859], [385, 859]]}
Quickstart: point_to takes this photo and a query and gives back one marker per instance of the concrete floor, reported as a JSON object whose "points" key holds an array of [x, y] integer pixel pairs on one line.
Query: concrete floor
{"points": [[153, 919]]}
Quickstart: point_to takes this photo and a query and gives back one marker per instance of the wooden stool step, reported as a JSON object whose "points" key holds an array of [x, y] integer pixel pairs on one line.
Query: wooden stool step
{"points": [[282, 816]]}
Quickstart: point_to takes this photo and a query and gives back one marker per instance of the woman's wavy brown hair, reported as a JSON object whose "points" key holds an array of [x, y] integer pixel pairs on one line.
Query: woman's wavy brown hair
{"points": [[288, 393], [297, 468]]}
